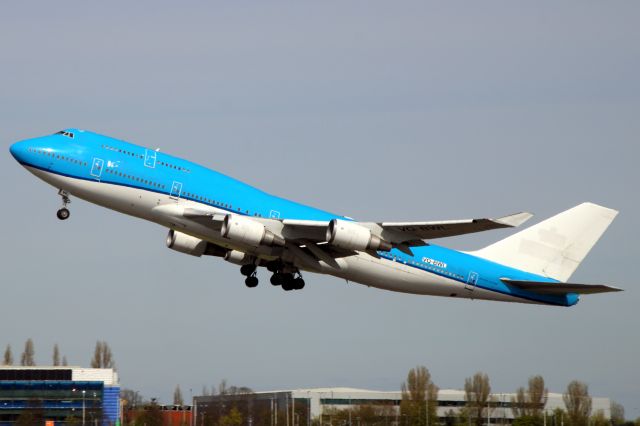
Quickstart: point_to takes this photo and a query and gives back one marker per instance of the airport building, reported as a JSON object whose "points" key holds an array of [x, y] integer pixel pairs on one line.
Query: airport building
{"points": [[302, 406], [57, 395]]}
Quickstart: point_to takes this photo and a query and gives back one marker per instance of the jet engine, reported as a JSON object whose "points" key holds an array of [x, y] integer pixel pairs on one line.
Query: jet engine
{"points": [[243, 230], [238, 257], [351, 236], [191, 245]]}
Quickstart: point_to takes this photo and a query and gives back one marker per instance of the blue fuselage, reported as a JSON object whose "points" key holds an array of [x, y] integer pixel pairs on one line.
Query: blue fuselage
{"points": [[91, 157]]}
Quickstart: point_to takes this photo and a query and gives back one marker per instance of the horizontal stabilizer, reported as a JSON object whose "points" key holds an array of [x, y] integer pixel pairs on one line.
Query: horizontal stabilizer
{"points": [[542, 287]]}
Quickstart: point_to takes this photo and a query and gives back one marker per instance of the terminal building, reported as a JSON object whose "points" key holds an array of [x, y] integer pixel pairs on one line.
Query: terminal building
{"points": [[59, 395], [302, 406]]}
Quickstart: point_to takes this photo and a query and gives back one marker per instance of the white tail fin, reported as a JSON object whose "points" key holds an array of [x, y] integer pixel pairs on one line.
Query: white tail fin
{"points": [[555, 247]]}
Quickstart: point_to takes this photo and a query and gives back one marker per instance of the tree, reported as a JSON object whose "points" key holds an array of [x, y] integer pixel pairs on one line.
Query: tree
{"points": [[8, 356], [617, 413], [477, 391], [419, 398], [102, 356], [177, 396], [528, 421], [558, 416], [132, 398], [578, 403], [530, 403], [27, 357], [233, 418], [599, 419], [56, 355], [151, 415]]}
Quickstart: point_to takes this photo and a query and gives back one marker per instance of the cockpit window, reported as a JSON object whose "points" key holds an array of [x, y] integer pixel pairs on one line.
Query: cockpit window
{"points": [[65, 133]]}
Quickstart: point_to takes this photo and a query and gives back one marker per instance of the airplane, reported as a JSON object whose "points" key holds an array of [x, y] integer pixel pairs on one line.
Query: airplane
{"points": [[210, 214]]}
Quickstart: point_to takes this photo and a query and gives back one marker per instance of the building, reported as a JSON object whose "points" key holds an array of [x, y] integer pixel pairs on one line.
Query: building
{"points": [[301, 406], [171, 415], [56, 394]]}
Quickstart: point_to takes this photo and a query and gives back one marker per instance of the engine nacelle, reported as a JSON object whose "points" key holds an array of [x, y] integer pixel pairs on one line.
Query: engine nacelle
{"points": [[186, 243], [244, 230], [351, 236], [238, 257]]}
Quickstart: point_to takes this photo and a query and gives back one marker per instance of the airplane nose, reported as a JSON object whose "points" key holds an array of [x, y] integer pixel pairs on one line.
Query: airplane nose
{"points": [[18, 150]]}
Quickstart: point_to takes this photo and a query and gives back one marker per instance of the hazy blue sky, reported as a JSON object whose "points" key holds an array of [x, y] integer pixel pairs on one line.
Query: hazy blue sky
{"points": [[377, 110]]}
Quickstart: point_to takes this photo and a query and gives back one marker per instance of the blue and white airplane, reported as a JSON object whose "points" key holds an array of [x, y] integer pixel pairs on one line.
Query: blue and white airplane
{"points": [[210, 214]]}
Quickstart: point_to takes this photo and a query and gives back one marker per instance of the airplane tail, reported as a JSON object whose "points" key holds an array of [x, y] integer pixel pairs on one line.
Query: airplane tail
{"points": [[555, 247]]}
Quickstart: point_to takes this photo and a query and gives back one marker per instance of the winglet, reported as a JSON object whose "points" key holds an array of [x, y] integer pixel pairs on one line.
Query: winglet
{"points": [[514, 219]]}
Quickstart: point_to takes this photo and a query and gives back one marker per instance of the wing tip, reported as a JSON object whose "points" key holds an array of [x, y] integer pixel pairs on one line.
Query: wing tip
{"points": [[514, 220]]}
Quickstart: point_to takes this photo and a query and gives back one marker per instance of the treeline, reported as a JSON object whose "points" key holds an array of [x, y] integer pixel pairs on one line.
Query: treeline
{"points": [[102, 356], [420, 395]]}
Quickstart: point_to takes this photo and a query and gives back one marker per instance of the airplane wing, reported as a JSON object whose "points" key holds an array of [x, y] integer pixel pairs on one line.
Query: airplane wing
{"points": [[401, 235], [542, 287], [412, 233]]}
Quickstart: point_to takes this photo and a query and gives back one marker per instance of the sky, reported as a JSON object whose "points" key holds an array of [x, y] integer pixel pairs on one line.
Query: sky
{"points": [[393, 111]]}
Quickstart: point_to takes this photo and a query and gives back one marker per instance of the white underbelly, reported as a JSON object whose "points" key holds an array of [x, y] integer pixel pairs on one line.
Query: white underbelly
{"points": [[362, 268]]}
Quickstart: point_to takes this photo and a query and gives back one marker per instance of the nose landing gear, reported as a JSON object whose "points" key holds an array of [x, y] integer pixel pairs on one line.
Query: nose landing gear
{"points": [[64, 213]]}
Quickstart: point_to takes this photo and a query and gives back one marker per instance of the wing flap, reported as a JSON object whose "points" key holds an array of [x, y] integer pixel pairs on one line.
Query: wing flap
{"points": [[542, 287], [407, 231]]}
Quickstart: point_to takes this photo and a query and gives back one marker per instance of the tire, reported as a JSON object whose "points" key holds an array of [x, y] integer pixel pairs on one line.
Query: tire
{"points": [[251, 282], [247, 270], [288, 283], [298, 284], [63, 214], [276, 279]]}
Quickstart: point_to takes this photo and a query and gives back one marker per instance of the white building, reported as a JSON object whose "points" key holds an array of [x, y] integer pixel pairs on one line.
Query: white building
{"points": [[306, 404]]}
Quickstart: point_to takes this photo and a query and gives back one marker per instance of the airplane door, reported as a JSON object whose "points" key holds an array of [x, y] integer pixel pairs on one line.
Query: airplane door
{"points": [[176, 190], [472, 280], [96, 167], [149, 158]]}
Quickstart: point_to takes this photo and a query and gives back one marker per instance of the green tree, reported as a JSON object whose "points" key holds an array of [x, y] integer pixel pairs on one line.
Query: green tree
{"points": [[27, 357], [528, 421], [558, 416], [617, 413], [419, 398], [578, 403], [477, 392], [598, 419], [8, 356], [233, 418]]}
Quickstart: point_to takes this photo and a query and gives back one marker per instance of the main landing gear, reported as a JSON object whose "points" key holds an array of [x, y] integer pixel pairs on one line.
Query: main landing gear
{"points": [[288, 280], [249, 271], [64, 213]]}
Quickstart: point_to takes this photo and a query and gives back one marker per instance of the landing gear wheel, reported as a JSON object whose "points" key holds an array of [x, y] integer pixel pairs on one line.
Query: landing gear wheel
{"points": [[63, 213], [247, 270], [251, 281], [276, 279], [298, 283], [287, 283]]}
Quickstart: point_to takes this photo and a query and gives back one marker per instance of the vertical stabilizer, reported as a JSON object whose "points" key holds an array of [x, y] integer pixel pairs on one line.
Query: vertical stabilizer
{"points": [[555, 247]]}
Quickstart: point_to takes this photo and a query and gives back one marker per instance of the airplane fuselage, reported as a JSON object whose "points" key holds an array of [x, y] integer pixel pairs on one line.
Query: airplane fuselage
{"points": [[155, 186]]}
